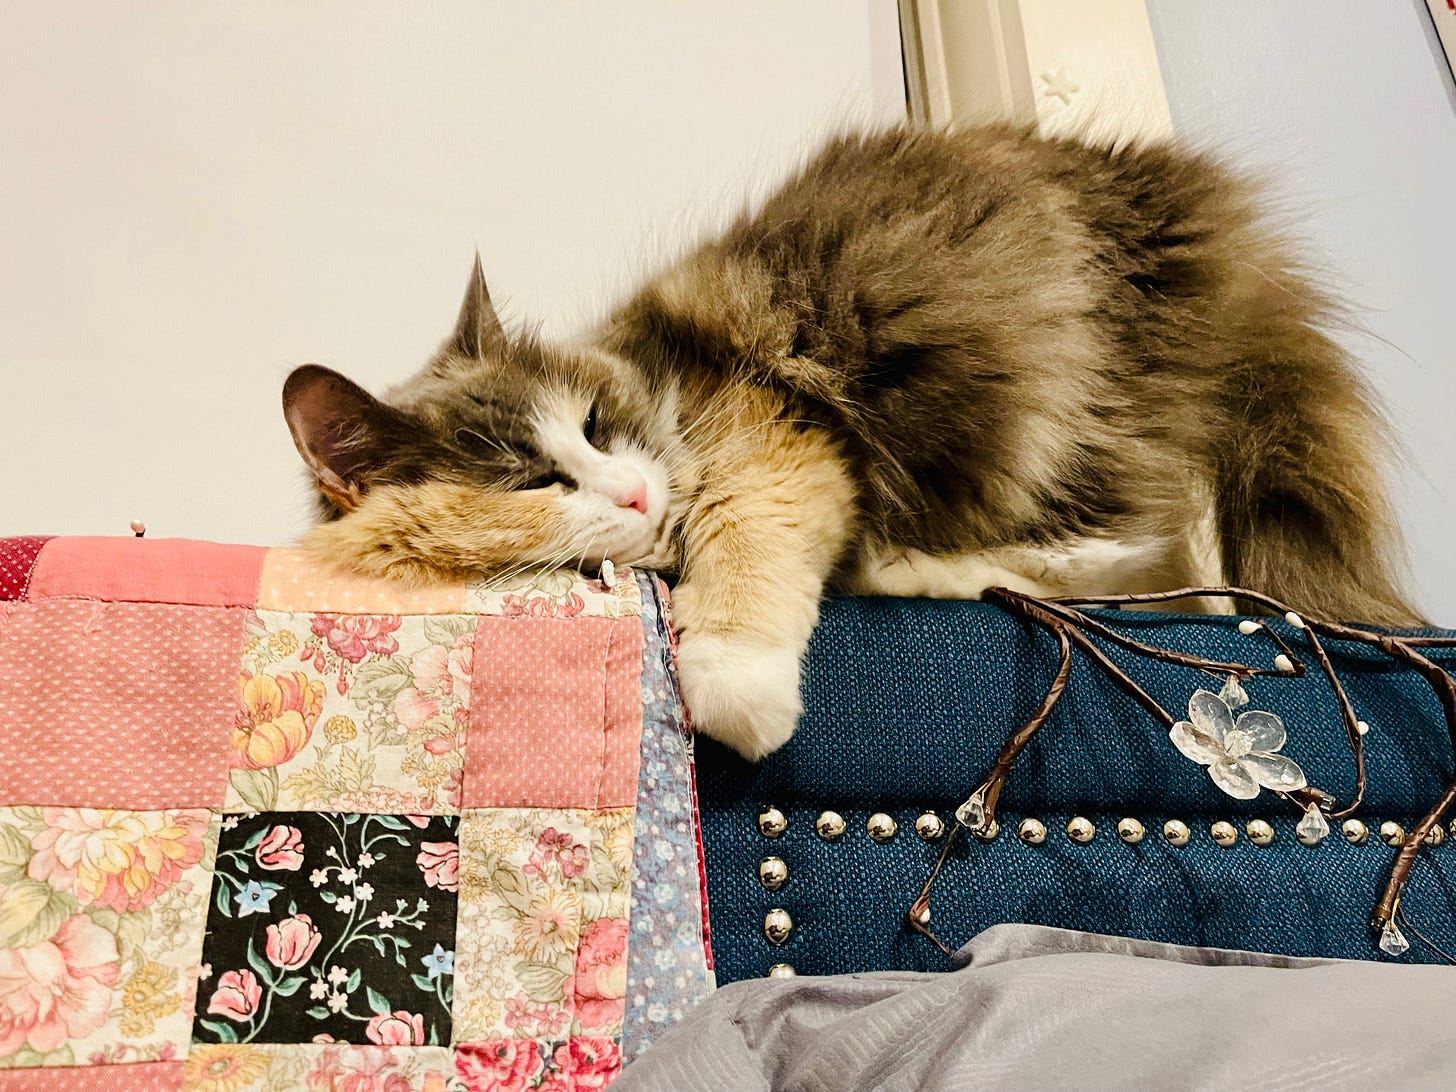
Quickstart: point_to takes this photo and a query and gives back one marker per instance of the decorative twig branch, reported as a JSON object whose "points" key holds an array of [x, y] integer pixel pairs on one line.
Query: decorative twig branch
{"points": [[1071, 626]]}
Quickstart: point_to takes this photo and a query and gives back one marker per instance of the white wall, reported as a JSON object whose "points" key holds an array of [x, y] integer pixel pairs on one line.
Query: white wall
{"points": [[196, 197], [1349, 106]]}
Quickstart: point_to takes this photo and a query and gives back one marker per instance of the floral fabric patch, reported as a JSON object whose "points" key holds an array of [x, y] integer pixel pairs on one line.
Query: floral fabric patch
{"points": [[352, 712], [312, 1067], [513, 1065], [560, 593], [100, 932], [667, 969], [543, 923], [331, 925]]}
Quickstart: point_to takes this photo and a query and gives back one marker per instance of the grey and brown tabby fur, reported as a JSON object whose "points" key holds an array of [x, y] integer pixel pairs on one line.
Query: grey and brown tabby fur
{"points": [[929, 364]]}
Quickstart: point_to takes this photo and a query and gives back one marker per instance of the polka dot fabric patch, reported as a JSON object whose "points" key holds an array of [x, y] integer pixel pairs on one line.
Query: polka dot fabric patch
{"points": [[17, 560], [117, 704], [558, 713], [147, 1077], [297, 581]]}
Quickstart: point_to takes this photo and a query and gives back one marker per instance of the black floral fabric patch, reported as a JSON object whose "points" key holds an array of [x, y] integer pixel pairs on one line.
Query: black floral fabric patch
{"points": [[331, 927]]}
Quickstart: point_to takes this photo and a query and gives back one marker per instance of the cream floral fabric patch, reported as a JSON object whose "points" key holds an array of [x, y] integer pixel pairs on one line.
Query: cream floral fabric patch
{"points": [[101, 921], [560, 593], [324, 1067], [352, 712], [542, 935]]}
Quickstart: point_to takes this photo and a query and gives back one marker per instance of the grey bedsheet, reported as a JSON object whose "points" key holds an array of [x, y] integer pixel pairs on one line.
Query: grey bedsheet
{"points": [[1036, 1008]]}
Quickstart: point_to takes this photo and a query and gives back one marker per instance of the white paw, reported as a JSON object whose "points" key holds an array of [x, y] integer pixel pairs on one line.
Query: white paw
{"points": [[741, 694]]}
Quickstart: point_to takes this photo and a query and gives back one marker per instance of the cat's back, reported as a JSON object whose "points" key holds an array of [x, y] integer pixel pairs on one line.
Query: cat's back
{"points": [[983, 192], [906, 237]]}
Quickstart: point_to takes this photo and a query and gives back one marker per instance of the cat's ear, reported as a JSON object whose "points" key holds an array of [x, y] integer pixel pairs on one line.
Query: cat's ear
{"points": [[478, 326], [340, 429]]}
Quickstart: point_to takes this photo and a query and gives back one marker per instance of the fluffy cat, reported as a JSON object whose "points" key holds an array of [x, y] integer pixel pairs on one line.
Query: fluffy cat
{"points": [[928, 365]]}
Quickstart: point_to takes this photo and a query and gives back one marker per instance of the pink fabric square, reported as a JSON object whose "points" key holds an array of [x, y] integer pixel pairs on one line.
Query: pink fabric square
{"points": [[165, 570], [132, 1077], [556, 713], [118, 705], [17, 562]]}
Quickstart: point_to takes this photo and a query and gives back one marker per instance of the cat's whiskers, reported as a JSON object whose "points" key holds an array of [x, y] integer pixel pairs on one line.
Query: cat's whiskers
{"points": [[497, 581]]}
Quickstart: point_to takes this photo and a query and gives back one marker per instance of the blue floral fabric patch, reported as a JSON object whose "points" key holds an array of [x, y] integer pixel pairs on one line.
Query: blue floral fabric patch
{"points": [[333, 928], [667, 971]]}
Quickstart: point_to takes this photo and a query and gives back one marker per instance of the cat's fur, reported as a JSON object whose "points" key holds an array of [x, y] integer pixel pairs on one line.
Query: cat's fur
{"points": [[928, 365]]}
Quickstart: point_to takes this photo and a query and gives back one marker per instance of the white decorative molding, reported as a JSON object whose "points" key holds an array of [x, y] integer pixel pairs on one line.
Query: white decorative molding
{"points": [[1086, 66]]}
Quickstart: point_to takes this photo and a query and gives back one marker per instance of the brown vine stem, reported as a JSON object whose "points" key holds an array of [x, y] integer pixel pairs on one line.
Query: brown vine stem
{"points": [[1071, 626]]}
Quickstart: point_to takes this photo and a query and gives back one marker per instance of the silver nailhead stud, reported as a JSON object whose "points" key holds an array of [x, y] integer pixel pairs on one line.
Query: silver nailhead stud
{"points": [[1130, 831], [1081, 830], [781, 970], [773, 873], [1260, 832], [1435, 836], [1224, 833], [829, 825], [771, 823], [1355, 832], [930, 827], [1392, 833], [777, 925], [1176, 832], [881, 827], [1033, 831], [988, 832]]}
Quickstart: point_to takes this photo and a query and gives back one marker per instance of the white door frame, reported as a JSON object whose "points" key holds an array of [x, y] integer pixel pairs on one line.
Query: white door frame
{"points": [[1086, 66]]}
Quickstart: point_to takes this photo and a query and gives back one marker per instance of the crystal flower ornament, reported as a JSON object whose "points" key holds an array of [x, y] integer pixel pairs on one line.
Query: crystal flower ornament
{"points": [[1240, 754]]}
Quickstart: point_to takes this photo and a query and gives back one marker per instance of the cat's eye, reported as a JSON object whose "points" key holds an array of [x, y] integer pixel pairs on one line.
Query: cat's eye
{"points": [[543, 481], [589, 426]]}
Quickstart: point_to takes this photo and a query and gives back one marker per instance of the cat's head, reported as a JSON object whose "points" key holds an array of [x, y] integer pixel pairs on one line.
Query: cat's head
{"points": [[502, 453]]}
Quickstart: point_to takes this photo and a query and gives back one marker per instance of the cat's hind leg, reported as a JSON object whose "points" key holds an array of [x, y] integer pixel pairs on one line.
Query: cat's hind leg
{"points": [[914, 574], [1084, 565]]}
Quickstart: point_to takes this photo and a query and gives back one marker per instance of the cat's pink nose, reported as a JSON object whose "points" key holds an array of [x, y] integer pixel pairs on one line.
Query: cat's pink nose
{"points": [[634, 498]]}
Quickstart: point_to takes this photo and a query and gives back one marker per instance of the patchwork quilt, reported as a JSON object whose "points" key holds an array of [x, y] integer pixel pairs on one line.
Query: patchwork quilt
{"points": [[267, 826]]}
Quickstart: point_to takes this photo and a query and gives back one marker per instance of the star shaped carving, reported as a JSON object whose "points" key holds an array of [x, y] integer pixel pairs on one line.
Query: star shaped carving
{"points": [[1059, 85]]}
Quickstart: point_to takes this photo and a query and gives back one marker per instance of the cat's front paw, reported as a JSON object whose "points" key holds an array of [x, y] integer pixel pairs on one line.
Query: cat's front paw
{"points": [[741, 694]]}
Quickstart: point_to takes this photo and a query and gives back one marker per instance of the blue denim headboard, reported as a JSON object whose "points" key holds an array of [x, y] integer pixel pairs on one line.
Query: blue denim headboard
{"points": [[907, 703]]}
